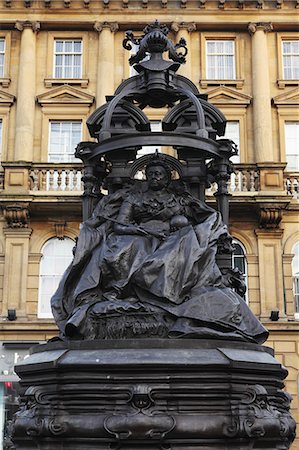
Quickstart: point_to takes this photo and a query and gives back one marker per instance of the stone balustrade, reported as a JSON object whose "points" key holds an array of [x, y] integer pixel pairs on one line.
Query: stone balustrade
{"points": [[55, 177], [63, 177], [292, 184], [244, 179]]}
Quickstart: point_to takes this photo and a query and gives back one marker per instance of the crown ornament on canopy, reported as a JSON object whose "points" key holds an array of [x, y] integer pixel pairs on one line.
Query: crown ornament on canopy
{"points": [[155, 42]]}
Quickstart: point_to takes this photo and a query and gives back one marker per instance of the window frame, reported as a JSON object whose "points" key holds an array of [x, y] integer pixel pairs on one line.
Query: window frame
{"points": [[75, 160], [63, 53], [40, 314], [238, 81], [5, 77], [281, 81], [59, 112], [295, 292], [236, 241], [284, 116], [215, 54], [285, 146], [50, 80]]}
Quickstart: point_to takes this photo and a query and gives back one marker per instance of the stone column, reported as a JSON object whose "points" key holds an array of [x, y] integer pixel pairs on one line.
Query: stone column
{"points": [[262, 120], [105, 75], [184, 31], [26, 91], [17, 237]]}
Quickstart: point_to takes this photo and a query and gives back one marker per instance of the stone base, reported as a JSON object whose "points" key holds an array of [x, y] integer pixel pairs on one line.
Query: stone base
{"points": [[153, 394]]}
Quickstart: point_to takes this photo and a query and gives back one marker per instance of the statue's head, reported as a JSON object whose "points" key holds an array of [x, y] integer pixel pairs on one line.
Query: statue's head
{"points": [[158, 173]]}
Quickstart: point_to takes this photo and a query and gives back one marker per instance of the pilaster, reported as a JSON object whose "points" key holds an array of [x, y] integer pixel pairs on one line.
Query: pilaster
{"points": [[183, 31], [17, 237], [105, 76], [262, 120], [26, 91], [270, 272]]}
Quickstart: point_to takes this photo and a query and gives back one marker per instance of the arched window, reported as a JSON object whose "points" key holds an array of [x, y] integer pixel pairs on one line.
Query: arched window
{"points": [[56, 256], [239, 262], [295, 274]]}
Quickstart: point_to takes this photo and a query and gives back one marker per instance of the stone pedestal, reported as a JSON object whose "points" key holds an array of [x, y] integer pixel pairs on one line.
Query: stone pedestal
{"points": [[153, 394]]}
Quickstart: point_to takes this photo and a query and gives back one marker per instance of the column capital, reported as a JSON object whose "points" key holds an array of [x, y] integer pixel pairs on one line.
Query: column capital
{"points": [[16, 215], [260, 26], [189, 26], [21, 25], [100, 26]]}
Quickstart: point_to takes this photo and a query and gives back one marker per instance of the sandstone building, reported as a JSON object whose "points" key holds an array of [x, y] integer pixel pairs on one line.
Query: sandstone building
{"points": [[58, 61]]}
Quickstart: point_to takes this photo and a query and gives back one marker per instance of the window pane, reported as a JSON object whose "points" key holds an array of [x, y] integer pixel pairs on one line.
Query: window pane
{"points": [[56, 256], [68, 58], [63, 138], [295, 273], [220, 59], [239, 262], [290, 59], [0, 138], [291, 145], [232, 131], [2, 51]]}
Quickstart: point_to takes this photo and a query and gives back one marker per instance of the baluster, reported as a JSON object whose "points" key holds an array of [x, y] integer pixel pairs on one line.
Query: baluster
{"points": [[51, 180], [67, 179], [288, 186], [35, 177], [244, 181], [252, 180], [59, 179], [296, 187], [237, 181], [43, 179]]}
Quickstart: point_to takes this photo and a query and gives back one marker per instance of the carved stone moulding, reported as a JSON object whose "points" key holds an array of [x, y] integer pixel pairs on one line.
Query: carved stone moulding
{"points": [[157, 394], [16, 215]]}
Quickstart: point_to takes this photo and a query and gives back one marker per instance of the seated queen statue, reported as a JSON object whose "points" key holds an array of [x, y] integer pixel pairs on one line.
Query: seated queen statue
{"points": [[145, 266]]}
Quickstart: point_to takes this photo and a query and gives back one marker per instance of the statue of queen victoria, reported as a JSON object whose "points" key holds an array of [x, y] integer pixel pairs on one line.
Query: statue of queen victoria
{"points": [[145, 265]]}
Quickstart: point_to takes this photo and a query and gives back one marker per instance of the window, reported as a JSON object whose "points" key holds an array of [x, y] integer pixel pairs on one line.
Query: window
{"points": [[67, 58], [232, 131], [239, 262], [291, 146], [295, 273], [63, 138], [290, 59], [2, 55], [220, 59], [56, 256], [0, 139]]}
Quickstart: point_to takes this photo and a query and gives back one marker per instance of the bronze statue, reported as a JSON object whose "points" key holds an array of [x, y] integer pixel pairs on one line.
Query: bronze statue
{"points": [[145, 265]]}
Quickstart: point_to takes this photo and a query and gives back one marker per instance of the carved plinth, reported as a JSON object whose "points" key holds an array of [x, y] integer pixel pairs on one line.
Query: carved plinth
{"points": [[151, 395]]}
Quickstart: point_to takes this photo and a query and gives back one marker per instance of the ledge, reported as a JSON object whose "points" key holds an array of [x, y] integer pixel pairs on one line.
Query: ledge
{"points": [[238, 83], [83, 82]]}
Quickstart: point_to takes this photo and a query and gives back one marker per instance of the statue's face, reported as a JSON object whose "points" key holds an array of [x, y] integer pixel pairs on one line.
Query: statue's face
{"points": [[157, 177]]}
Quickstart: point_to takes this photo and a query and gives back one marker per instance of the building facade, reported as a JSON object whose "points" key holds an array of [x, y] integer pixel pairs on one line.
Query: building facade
{"points": [[58, 61]]}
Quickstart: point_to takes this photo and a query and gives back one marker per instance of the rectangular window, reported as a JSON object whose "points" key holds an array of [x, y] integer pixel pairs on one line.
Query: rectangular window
{"points": [[232, 131], [290, 59], [220, 60], [2, 55], [63, 138], [68, 58], [291, 146], [0, 139]]}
